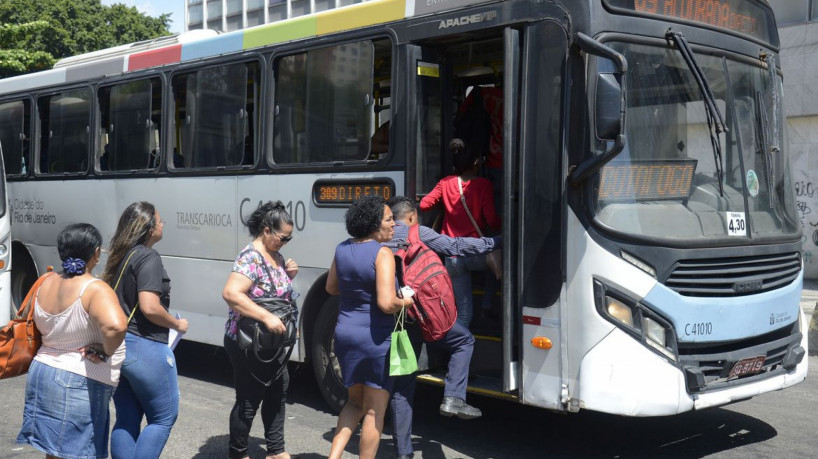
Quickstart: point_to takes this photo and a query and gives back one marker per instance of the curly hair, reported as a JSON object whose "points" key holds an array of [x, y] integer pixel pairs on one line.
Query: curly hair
{"points": [[268, 215], [364, 216]]}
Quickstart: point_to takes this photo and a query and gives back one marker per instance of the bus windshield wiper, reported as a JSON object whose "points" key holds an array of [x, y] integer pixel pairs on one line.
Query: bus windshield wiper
{"points": [[715, 121]]}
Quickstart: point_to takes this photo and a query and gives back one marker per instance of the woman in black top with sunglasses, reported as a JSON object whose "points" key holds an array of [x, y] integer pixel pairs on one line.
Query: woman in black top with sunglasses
{"points": [[259, 271]]}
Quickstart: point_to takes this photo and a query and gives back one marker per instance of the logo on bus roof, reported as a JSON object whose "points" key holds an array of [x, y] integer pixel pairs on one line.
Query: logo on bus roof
{"points": [[466, 20]]}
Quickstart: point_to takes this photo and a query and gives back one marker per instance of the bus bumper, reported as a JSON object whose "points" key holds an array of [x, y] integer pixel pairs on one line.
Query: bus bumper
{"points": [[620, 376]]}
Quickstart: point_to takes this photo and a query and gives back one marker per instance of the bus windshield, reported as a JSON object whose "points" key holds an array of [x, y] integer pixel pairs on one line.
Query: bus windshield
{"points": [[671, 183]]}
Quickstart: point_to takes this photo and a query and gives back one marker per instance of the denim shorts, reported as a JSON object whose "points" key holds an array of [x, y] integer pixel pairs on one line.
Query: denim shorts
{"points": [[66, 415]]}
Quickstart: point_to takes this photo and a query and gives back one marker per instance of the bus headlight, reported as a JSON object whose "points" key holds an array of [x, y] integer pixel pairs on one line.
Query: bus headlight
{"points": [[3, 250], [619, 311], [635, 318]]}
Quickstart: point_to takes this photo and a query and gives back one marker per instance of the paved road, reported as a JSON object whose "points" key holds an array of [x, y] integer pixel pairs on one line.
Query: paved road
{"points": [[775, 425]]}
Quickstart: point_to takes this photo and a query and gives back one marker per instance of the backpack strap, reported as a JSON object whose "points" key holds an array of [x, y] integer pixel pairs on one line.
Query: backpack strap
{"points": [[414, 234]]}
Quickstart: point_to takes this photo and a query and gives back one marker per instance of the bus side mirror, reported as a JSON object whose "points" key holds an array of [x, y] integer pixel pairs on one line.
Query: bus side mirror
{"points": [[608, 110]]}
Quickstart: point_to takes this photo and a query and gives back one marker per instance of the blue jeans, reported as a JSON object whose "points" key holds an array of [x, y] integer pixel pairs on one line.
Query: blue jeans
{"points": [[148, 387], [459, 344], [460, 269]]}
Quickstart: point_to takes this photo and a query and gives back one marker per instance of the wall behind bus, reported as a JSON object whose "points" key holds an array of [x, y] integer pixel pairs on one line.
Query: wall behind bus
{"points": [[799, 62]]}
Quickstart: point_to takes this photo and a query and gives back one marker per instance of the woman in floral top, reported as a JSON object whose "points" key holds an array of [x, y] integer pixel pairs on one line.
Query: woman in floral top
{"points": [[260, 271]]}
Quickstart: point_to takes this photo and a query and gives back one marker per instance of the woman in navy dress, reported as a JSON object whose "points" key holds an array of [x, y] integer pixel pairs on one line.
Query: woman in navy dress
{"points": [[363, 273]]}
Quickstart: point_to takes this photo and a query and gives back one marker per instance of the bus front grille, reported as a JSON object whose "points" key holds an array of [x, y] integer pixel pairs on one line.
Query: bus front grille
{"points": [[714, 361], [730, 277]]}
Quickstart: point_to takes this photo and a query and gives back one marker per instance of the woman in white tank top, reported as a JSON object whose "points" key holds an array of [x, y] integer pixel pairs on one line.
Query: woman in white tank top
{"points": [[72, 377]]}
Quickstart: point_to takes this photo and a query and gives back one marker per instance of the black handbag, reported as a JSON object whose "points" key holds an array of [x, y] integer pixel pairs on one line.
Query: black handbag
{"points": [[256, 340]]}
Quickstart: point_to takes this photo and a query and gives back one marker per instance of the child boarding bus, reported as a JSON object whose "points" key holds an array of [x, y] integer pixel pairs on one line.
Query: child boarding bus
{"points": [[652, 257]]}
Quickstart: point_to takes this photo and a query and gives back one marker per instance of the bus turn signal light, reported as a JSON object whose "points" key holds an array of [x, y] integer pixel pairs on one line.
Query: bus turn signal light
{"points": [[541, 342]]}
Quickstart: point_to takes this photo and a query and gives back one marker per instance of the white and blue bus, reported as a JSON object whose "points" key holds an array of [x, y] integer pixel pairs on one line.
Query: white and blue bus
{"points": [[652, 258]]}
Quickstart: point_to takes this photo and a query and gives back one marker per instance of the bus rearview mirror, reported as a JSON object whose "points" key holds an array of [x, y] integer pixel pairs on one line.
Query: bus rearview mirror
{"points": [[608, 110]]}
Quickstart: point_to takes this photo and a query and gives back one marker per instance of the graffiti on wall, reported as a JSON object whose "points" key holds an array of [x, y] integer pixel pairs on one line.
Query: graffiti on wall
{"points": [[805, 191]]}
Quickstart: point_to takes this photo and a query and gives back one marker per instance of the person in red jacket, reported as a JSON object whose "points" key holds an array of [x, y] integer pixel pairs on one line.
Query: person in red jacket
{"points": [[468, 212]]}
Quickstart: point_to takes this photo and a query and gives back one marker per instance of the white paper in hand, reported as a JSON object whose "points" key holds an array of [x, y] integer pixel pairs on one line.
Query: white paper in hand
{"points": [[174, 336]]}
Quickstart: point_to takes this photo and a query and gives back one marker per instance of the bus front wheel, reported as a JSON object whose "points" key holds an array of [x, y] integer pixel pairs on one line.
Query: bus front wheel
{"points": [[23, 275], [324, 361]]}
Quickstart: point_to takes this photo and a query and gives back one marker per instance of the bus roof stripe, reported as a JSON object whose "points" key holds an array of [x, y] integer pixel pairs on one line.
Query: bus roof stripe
{"points": [[221, 44], [155, 57], [279, 32], [32, 80], [360, 15], [112, 66]]}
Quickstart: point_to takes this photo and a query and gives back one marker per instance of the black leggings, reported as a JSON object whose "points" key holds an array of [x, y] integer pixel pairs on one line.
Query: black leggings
{"points": [[250, 393]]}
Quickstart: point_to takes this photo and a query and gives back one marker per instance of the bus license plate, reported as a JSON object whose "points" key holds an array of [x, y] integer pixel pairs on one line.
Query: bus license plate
{"points": [[747, 366]]}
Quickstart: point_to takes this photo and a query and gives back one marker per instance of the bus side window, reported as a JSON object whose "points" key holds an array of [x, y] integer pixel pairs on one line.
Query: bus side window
{"points": [[15, 135], [127, 131], [215, 124], [64, 128], [330, 102]]}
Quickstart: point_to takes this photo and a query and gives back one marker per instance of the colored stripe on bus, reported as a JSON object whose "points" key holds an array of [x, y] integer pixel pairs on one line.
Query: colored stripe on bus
{"points": [[155, 57], [360, 15], [279, 32], [221, 44]]}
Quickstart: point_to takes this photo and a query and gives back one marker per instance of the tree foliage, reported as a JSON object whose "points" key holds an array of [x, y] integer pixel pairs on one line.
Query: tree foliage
{"points": [[36, 33]]}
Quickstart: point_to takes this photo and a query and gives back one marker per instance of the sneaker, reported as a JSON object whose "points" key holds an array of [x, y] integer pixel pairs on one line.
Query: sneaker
{"points": [[453, 406]]}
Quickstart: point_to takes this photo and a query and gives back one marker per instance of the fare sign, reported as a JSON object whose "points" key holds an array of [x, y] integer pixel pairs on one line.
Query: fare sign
{"points": [[742, 16]]}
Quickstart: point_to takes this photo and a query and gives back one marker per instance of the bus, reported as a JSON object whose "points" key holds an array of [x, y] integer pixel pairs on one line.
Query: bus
{"points": [[651, 247], [6, 313]]}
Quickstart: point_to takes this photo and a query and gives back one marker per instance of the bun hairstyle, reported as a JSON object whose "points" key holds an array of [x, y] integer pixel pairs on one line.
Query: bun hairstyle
{"points": [[77, 245], [134, 228], [463, 156], [268, 215]]}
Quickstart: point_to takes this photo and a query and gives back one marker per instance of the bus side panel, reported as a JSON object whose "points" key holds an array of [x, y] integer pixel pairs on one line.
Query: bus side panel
{"points": [[585, 262], [39, 210], [542, 369]]}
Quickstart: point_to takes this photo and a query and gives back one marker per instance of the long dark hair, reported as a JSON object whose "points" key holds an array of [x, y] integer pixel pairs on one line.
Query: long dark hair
{"points": [[79, 241], [134, 228], [268, 215]]}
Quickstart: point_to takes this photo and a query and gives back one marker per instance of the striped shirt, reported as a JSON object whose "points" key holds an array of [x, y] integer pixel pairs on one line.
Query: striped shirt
{"points": [[66, 333], [445, 245]]}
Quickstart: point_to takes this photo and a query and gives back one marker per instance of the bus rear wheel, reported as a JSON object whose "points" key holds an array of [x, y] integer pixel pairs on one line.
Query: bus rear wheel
{"points": [[324, 361], [23, 275]]}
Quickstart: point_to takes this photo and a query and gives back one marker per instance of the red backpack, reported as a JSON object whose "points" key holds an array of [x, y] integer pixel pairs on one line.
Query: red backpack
{"points": [[419, 267]]}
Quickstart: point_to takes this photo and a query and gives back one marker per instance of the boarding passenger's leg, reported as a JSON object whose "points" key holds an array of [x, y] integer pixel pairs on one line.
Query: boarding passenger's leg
{"points": [[459, 342], [461, 284]]}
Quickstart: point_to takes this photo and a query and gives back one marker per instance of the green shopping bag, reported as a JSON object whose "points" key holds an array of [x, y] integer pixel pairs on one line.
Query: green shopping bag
{"points": [[402, 360]]}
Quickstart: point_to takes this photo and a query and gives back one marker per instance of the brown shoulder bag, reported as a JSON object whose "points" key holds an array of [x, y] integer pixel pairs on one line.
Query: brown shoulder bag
{"points": [[20, 339]]}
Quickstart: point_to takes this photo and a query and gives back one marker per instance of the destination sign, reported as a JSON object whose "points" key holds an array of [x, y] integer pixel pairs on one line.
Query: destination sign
{"points": [[646, 180], [340, 193], [742, 16]]}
